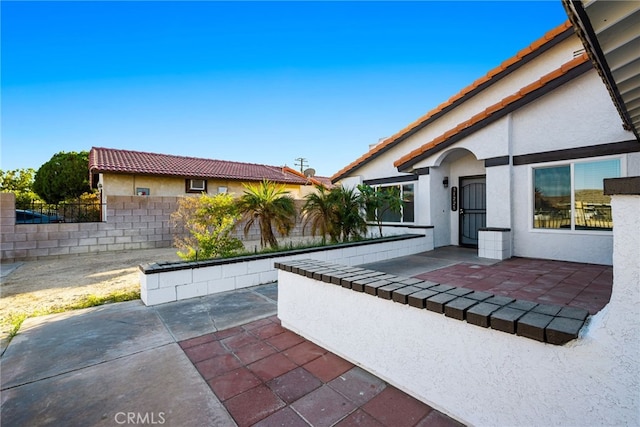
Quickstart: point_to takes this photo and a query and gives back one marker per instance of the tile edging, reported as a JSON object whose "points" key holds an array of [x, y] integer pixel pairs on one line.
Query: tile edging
{"points": [[551, 324]]}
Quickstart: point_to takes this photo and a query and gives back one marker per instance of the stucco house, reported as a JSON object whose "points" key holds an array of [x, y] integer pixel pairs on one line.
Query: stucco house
{"points": [[128, 173], [514, 163]]}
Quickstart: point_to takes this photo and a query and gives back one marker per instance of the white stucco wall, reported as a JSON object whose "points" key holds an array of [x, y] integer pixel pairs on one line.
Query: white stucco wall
{"points": [[485, 377], [199, 279], [579, 113], [593, 247]]}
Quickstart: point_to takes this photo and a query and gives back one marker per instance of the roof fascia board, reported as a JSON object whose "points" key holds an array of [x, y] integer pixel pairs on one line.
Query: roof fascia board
{"points": [[580, 20], [532, 96]]}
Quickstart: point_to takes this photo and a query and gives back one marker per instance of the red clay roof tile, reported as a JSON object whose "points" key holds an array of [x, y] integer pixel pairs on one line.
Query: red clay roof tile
{"points": [[136, 162], [387, 143], [492, 109]]}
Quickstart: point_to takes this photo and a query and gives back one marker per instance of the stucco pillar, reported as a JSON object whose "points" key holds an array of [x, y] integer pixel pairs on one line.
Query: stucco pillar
{"points": [[499, 196]]}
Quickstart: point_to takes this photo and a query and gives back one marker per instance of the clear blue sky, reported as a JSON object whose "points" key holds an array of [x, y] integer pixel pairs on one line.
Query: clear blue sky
{"points": [[257, 82]]}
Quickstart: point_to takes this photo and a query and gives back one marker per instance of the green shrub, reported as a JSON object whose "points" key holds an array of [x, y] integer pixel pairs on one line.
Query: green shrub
{"points": [[207, 223]]}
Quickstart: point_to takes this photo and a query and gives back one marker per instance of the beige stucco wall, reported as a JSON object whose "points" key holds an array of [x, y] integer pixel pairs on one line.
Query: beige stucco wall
{"points": [[126, 185]]}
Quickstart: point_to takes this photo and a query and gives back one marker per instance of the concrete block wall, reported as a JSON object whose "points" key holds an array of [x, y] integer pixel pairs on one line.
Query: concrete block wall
{"points": [[132, 222], [176, 281]]}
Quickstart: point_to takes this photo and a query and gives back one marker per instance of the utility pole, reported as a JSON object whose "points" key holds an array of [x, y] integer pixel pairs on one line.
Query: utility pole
{"points": [[302, 162]]}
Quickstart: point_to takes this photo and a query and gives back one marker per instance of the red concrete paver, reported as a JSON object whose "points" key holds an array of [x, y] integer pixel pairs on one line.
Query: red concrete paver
{"points": [[359, 418], [285, 340], [438, 419], [328, 366], [323, 407], [267, 331], [544, 281], [253, 405], [358, 385], [204, 351], [285, 417], [273, 390], [239, 340], [272, 366], [233, 383], [394, 408], [294, 384], [216, 366], [304, 352], [256, 351]]}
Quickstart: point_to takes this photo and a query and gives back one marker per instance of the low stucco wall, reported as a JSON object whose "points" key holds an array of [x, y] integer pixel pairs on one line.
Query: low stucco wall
{"points": [[177, 281], [481, 376]]}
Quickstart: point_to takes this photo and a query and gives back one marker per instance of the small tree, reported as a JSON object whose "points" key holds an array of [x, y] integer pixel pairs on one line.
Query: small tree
{"points": [[65, 176], [269, 205], [207, 223], [19, 182], [317, 211], [378, 201]]}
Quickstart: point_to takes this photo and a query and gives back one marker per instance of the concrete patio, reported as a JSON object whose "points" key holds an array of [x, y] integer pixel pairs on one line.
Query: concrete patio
{"points": [[224, 360]]}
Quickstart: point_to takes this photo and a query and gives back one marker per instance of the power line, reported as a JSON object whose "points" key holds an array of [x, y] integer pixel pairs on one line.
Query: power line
{"points": [[302, 162]]}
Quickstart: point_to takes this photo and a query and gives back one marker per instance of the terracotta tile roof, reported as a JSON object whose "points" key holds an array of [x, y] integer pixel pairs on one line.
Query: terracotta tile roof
{"points": [[493, 109], [136, 162], [504, 68]]}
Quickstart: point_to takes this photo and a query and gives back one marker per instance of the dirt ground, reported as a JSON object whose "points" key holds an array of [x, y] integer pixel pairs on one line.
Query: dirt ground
{"points": [[40, 285]]}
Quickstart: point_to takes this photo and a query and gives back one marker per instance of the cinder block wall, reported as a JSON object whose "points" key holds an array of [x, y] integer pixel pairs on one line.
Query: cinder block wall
{"points": [[131, 222]]}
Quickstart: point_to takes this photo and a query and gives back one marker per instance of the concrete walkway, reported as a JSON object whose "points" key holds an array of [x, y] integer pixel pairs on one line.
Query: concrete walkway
{"points": [[120, 363], [125, 363]]}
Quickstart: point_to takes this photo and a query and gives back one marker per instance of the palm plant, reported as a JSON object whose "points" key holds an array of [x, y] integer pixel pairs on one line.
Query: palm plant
{"points": [[269, 205], [347, 218], [317, 212], [378, 201]]}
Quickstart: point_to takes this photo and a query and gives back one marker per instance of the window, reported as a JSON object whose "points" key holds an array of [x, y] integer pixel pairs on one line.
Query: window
{"points": [[571, 196], [196, 185], [406, 214]]}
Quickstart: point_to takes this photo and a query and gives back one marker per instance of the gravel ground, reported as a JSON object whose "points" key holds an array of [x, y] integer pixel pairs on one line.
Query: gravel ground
{"points": [[33, 286]]}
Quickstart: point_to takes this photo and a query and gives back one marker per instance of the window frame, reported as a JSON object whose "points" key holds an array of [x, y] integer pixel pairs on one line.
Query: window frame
{"points": [[571, 163], [189, 185], [401, 186]]}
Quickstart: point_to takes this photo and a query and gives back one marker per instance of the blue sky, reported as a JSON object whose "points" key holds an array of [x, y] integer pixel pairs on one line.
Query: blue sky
{"points": [[257, 82]]}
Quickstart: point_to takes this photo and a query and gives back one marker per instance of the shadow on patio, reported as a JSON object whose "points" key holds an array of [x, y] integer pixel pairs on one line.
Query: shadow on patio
{"points": [[586, 286]]}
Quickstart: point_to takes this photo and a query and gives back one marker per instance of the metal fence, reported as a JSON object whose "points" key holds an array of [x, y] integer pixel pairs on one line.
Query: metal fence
{"points": [[41, 213]]}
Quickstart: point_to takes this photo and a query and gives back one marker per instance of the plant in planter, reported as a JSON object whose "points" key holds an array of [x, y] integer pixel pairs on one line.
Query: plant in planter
{"points": [[317, 212], [378, 201], [270, 206], [346, 215]]}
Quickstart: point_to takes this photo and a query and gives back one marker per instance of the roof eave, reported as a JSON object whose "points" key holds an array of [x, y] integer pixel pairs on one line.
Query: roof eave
{"points": [[585, 31], [406, 166], [492, 77]]}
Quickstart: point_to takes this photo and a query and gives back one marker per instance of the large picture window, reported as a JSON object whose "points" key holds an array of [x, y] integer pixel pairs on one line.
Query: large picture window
{"points": [[406, 214], [571, 196]]}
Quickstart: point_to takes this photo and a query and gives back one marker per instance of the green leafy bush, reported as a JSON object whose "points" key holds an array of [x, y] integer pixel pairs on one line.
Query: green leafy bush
{"points": [[207, 223]]}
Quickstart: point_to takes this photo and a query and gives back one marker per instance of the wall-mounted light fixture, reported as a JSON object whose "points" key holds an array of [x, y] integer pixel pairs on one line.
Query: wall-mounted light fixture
{"points": [[445, 182]]}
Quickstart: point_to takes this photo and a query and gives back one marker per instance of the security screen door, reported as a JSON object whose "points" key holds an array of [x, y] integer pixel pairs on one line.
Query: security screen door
{"points": [[473, 209]]}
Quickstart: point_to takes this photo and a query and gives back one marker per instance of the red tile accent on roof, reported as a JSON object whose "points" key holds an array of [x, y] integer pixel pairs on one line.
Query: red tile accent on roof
{"points": [[136, 162], [492, 109], [504, 67]]}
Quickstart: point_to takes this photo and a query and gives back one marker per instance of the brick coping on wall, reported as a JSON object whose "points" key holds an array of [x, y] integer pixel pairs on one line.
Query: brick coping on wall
{"points": [[166, 266], [552, 324]]}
